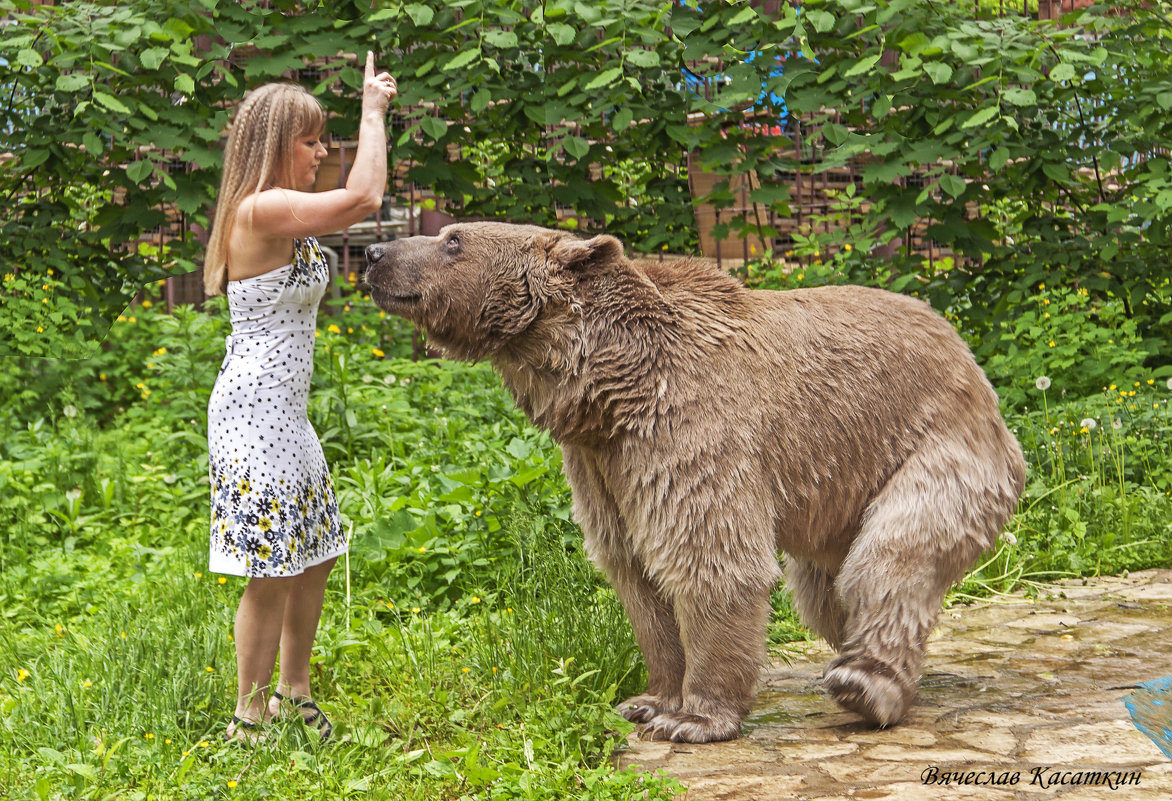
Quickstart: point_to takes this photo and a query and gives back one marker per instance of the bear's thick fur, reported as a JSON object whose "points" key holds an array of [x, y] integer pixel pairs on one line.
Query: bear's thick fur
{"points": [[706, 427]]}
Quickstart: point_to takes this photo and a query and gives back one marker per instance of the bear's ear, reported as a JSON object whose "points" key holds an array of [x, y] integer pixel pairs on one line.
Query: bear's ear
{"points": [[570, 252]]}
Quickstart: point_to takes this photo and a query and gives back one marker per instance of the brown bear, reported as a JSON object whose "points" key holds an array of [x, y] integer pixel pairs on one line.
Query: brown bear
{"points": [[705, 427]]}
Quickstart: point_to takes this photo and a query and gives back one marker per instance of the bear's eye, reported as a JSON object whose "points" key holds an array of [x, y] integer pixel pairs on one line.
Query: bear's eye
{"points": [[452, 244]]}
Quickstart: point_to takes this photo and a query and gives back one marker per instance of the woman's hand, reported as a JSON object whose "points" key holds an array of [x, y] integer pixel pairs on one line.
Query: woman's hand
{"points": [[377, 90]]}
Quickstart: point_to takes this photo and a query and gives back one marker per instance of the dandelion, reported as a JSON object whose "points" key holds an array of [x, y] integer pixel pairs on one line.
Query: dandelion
{"points": [[415, 610], [149, 735], [1151, 381], [1088, 424], [1051, 343], [122, 635], [1043, 383], [231, 784], [204, 744], [377, 352], [160, 352], [60, 630], [466, 670], [199, 575], [1116, 424], [210, 669], [333, 329], [70, 410], [475, 599], [167, 741], [87, 683], [222, 580], [1009, 538], [1169, 384], [21, 675]]}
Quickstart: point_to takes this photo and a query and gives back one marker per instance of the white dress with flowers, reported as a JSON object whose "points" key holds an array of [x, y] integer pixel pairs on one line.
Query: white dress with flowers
{"points": [[273, 507]]}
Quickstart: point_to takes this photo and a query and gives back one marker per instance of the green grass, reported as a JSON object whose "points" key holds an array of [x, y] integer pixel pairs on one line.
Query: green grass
{"points": [[467, 649]]}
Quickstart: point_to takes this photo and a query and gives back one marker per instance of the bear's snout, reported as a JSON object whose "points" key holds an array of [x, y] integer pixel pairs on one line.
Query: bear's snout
{"points": [[374, 254]]}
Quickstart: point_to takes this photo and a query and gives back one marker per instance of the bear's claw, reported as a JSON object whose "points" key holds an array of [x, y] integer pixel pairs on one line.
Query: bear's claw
{"points": [[682, 727]]}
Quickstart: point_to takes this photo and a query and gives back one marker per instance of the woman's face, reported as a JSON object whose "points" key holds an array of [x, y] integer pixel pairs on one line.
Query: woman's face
{"points": [[308, 151]]}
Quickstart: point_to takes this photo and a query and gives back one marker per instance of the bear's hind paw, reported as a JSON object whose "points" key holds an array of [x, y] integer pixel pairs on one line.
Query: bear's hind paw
{"points": [[682, 727]]}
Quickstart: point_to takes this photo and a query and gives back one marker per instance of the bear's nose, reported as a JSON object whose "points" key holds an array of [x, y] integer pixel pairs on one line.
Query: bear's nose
{"points": [[374, 253]]}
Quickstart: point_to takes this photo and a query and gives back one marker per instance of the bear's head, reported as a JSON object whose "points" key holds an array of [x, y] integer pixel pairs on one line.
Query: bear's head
{"points": [[479, 286]]}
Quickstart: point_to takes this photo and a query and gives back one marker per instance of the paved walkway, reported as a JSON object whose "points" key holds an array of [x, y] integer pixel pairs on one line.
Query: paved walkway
{"points": [[1028, 690]]}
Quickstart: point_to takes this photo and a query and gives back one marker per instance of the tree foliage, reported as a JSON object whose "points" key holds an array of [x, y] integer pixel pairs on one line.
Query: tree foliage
{"points": [[1027, 148]]}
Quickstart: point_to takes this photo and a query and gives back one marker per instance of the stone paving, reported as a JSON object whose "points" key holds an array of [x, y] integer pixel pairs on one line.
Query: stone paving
{"points": [[1014, 689]]}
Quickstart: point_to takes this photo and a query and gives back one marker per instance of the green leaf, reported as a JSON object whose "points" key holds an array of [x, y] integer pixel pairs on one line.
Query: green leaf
{"points": [[29, 58], [480, 100], [982, 117], [938, 72], [153, 58], [998, 159], [501, 39], [71, 82], [1056, 172], [111, 102], [1020, 97], [420, 14], [1062, 72], [622, 119], [748, 14], [863, 65], [185, 83], [576, 146], [952, 184], [140, 170], [561, 33], [645, 59], [821, 20], [434, 127], [604, 78], [1165, 100], [461, 59]]}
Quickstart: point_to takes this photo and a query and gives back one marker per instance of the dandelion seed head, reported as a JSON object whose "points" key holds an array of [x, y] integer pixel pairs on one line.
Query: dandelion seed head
{"points": [[1043, 383], [1089, 423], [1009, 538]]}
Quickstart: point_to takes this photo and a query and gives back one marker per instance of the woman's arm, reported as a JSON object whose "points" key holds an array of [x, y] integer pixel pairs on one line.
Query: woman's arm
{"points": [[286, 213]]}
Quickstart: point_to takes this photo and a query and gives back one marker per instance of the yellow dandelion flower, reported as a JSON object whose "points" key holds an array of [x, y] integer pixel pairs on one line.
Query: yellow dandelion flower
{"points": [[146, 304], [333, 329], [160, 352], [466, 670], [40, 329], [475, 599], [377, 352], [149, 735], [210, 669], [167, 741], [416, 610], [231, 784], [1051, 343], [494, 669], [132, 319], [222, 580], [199, 575], [87, 683], [101, 376], [204, 744], [123, 635], [21, 675], [1151, 381], [1111, 387]]}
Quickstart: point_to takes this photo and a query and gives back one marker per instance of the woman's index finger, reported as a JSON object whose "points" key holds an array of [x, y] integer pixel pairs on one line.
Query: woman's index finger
{"points": [[369, 63]]}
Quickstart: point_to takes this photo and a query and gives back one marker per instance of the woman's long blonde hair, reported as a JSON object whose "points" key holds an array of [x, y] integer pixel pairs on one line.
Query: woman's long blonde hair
{"points": [[261, 136]]}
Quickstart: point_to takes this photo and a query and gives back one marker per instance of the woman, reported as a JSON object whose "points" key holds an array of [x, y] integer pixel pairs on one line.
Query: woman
{"points": [[274, 516]]}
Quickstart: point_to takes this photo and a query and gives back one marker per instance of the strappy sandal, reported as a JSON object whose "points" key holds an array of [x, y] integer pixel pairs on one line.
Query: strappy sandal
{"points": [[245, 732], [317, 720]]}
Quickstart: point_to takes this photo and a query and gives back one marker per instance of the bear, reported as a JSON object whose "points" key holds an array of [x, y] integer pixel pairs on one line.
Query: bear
{"points": [[709, 430]]}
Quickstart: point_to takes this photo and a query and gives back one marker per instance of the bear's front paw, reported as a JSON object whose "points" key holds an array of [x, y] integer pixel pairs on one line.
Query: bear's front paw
{"points": [[682, 727], [642, 708]]}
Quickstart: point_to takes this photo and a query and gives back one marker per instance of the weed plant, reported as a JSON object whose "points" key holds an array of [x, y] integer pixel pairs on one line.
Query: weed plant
{"points": [[467, 650]]}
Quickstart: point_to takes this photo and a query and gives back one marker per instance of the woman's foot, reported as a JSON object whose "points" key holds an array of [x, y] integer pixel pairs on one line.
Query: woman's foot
{"points": [[240, 730], [311, 713]]}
